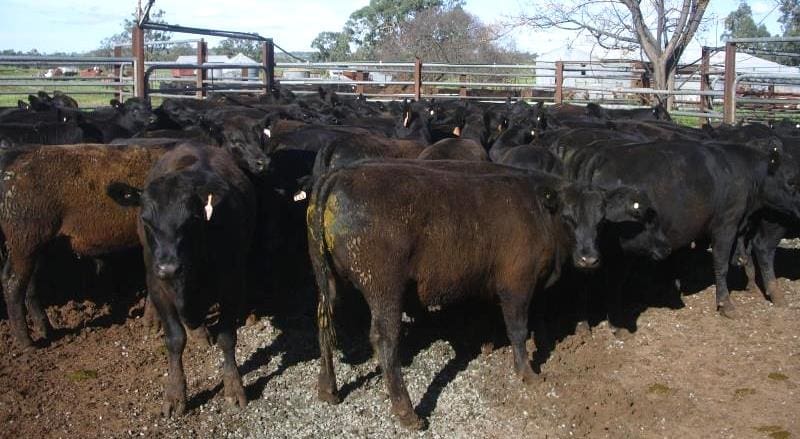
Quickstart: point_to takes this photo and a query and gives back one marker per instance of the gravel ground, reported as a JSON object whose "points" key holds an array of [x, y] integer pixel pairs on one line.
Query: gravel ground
{"points": [[685, 372]]}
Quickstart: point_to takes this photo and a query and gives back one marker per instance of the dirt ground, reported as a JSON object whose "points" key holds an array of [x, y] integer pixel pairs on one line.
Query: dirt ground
{"points": [[684, 372]]}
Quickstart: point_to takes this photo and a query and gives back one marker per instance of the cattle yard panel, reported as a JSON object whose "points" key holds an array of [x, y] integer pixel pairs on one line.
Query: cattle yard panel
{"points": [[79, 76], [611, 83], [766, 102]]}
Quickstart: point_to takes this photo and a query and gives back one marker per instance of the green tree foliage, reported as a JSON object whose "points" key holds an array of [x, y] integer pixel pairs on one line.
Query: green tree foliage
{"points": [[740, 24], [379, 21], [123, 38], [231, 47], [448, 35], [157, 52], [331, 46], [790, 24], [434, 30]]}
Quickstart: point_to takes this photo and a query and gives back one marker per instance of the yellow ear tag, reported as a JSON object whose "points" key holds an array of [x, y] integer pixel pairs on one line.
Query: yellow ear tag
{"points": [[209, 208]]}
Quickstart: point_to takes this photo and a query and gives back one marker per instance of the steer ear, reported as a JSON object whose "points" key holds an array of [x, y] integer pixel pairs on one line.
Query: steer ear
{"points": [[124, 194], [22, 105], [626, 204], [549, 198], [774, 162], [116, 104]]}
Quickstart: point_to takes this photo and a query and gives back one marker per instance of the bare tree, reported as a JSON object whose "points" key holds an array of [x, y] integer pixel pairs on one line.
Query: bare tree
{"points": [[452, 35], [660, 28]]}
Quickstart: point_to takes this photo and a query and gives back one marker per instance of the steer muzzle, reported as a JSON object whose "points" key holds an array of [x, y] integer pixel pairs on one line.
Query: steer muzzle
{"points": [[586, 259], [166, 270]]}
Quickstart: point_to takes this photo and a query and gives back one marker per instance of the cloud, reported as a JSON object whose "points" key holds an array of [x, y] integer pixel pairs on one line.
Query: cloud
{"points": [[761, 8]]}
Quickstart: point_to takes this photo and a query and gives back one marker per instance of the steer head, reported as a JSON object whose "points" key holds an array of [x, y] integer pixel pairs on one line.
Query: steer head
{"points": [[242, 137], [781, 188], [177, 210], [624, 213], [582, 212], [632, 220]]}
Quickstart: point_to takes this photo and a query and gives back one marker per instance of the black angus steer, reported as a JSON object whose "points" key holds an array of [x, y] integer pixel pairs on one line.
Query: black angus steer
{"points": [[196, 225], [700, 191], [383, 226]]}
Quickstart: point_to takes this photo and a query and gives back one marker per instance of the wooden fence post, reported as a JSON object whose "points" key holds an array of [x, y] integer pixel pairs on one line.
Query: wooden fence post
{"points": [[117, 73], [268, 61], [729, 98], [706, 102], [138, 53], [417, 79], [360, 76], [464, 90], [202, 74], [558, 96]]}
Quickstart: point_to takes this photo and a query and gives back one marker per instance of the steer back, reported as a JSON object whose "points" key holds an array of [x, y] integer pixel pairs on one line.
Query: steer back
{"points": [[51, 191]]}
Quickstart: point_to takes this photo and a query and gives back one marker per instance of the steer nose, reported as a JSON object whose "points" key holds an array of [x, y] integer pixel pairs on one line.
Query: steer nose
{"points": [[588, 261], [166, 271], [261, 165]]}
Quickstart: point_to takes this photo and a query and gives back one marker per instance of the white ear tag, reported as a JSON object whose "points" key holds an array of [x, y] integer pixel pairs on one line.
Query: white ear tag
{"points": [[300, 196], [209, 208], [267, 132], [457, 131], [635, 205], [432, 112]]}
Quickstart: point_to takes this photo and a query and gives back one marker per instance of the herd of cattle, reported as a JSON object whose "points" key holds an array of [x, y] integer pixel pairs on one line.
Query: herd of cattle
{"points": [[443, 200]]}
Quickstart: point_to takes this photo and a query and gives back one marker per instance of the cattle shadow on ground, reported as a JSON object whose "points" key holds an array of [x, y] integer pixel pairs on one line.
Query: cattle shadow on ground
{"points": [[786, 263], [68, 282]]}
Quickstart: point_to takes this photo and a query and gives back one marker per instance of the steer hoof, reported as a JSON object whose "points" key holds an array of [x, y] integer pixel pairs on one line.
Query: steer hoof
{"points": [[328, 397], [487, 348], [778, 298], [727, 309], [44, 328], [412, 422], [529, 377], [24, 341], [236, 397], [173, 407], [234, 391]]}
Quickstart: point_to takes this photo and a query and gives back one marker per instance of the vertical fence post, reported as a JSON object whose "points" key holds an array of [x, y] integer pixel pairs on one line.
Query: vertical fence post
{"points": [[117, 73], [268, 61], [464, 90], [138, 53], [202, 74], [558, 96], [417, 79], [729, 98], [706, 102], [360, 76]]}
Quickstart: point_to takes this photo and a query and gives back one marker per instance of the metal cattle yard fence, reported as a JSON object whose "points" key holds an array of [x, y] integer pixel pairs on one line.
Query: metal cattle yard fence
{"points": [[711, 88]]}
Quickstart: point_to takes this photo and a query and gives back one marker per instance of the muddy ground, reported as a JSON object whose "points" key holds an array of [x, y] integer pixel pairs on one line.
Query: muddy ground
{"points": [[683, 372]]}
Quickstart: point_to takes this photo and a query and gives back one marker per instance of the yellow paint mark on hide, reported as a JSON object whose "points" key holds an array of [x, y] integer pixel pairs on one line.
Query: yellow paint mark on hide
{"points": [[310, 214], [329, 220]]}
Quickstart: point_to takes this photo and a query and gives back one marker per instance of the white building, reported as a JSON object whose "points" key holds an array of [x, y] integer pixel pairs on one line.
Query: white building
{"points": [[218, 73], [607, 70]]}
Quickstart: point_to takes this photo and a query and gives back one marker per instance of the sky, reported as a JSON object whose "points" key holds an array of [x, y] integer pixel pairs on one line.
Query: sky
{"points": [[79, 25]]}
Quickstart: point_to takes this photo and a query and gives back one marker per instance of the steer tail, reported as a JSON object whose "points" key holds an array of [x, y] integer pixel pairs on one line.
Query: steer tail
{"points": [[321, 262]]}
